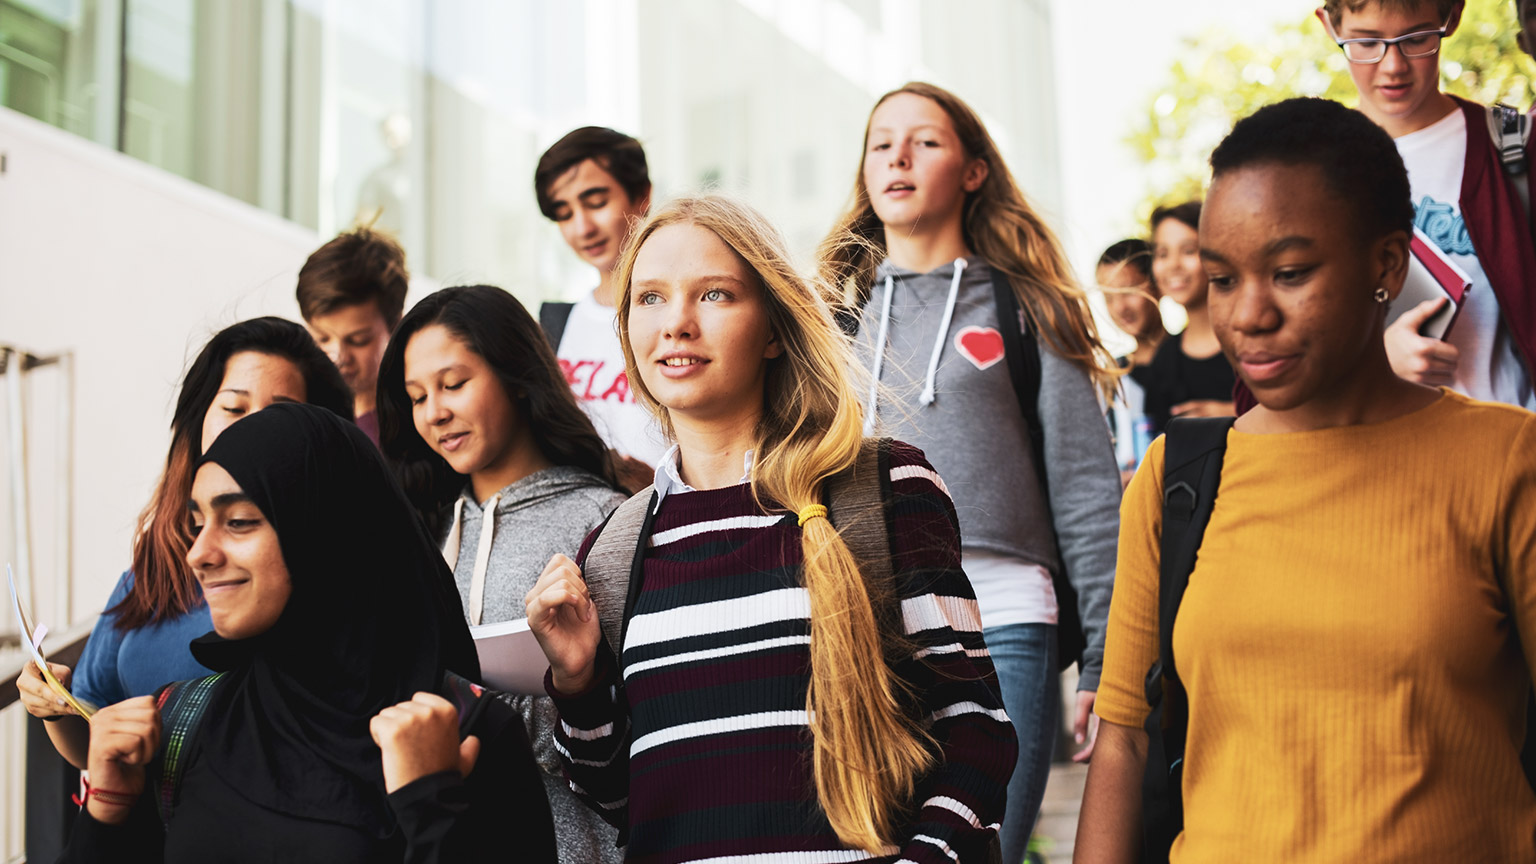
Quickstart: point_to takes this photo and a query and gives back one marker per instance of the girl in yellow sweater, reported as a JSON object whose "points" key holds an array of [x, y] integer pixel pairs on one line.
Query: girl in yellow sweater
{"points": [[1349, 640]]}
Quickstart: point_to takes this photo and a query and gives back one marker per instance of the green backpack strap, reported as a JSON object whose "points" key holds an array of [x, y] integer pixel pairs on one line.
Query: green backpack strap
{"points": [[182, 706]]}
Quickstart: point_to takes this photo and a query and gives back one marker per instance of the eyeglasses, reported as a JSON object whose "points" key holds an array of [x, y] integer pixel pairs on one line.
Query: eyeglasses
{"points": [[1424, 43]]}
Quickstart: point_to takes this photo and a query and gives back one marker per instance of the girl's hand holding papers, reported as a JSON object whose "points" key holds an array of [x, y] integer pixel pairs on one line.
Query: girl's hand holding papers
{"points": [[40, 699]]}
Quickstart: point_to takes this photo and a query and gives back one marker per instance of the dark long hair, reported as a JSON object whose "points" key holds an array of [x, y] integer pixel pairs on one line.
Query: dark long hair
{"points": [[163, 586], [493, 324]]}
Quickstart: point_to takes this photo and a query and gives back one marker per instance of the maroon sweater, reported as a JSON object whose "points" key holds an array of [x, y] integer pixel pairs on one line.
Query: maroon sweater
{"points": [[704, 751]]}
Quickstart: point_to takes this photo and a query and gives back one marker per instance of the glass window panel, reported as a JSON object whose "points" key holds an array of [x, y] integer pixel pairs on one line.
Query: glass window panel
{"points": [[203, 92], [53, 66]]}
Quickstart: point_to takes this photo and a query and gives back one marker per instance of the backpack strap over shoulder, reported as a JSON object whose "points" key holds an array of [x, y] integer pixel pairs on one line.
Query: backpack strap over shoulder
{"points": [[1021, 350], [553, 317], [182, 706], [857, 503], [615, 565], [1511, 131], [859, 506], [1194, 450]]}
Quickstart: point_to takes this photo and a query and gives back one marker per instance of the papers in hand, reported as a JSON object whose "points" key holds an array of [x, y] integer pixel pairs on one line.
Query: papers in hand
{"points": [[510, 657], [32, 637]]}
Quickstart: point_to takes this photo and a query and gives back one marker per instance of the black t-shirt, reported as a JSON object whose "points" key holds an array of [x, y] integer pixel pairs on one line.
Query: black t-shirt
{"points": [[1173, 378]]}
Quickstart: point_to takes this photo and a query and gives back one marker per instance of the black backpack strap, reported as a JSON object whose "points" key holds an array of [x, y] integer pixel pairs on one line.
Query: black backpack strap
{"points": [[553, 317], [182, 707], [1194, 449], [1021, 350]]}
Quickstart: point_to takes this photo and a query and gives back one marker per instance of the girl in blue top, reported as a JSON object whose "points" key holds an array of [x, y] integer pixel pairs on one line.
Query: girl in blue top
{"points": [[140, 641]]}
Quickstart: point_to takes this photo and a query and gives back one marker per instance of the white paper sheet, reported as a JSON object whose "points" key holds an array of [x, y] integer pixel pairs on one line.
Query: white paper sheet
{"points": [[510, 657], [33, 639]]}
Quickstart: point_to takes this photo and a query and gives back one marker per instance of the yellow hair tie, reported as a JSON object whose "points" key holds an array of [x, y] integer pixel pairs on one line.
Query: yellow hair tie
{"points": [[812, 511]]}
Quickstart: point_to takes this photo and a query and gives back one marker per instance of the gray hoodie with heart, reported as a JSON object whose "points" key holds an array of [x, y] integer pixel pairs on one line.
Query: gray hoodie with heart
{"points": [[942, 383]]}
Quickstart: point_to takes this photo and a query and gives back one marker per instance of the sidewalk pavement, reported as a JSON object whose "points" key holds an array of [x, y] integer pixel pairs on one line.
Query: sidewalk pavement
{"points": [[1057, 828]]}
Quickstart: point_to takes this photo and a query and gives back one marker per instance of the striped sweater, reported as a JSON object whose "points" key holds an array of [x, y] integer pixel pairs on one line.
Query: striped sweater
{"points": [[703, 752]]}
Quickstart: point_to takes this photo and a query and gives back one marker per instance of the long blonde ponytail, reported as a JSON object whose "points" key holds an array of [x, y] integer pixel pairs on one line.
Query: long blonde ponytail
{"points": [[868, 752]]}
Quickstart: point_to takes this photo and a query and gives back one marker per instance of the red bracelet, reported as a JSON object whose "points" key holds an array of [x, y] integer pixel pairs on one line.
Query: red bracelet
{"points": [[107, 796]]}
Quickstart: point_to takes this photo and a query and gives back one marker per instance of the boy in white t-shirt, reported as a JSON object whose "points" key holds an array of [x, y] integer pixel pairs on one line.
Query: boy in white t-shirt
{"points": [[595, 185], [1461, 198]]}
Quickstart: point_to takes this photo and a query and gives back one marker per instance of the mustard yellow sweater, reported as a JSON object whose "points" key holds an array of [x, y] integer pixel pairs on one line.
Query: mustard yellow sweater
{"points": [[1357, 689]]}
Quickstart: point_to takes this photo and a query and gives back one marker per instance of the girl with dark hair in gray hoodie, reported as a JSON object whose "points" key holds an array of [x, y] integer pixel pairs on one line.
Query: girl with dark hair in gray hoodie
{"points": [[507, 471]]}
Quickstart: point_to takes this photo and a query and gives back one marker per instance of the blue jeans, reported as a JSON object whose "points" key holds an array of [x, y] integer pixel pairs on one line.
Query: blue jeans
{"points": [[1025, 658]]}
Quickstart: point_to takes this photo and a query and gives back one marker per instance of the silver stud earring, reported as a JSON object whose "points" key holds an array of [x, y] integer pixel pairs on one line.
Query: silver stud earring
{"points": [[1381, 294]]}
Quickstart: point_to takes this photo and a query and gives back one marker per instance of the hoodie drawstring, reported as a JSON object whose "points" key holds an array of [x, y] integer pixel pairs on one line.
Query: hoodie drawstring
{"points": [[874, 373], [927, 396], [482, 552]]}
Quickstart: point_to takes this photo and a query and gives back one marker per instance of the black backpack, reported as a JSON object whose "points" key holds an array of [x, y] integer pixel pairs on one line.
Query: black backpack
{"points": [[1193, 452], [1022, 353], [1194, 449], [553, 317]]}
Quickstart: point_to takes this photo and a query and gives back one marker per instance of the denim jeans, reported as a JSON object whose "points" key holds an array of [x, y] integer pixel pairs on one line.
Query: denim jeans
{"points": [[1025, 658]]}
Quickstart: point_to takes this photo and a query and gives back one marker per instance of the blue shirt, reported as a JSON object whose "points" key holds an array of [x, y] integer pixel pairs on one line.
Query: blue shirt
{"points": [[115, 665]]}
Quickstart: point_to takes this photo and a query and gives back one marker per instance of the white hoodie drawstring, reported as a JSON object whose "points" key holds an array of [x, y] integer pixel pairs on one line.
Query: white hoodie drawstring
{"points": [[482, 551], [874, 374], [927, 396]]}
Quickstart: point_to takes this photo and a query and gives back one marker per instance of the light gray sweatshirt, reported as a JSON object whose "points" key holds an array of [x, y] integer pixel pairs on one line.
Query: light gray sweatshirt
{"points": [[944, 387], [544, 513]]}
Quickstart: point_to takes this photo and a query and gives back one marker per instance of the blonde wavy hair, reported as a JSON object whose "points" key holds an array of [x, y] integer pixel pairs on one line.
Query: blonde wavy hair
{"points": [[998, 224], [868, 752]]}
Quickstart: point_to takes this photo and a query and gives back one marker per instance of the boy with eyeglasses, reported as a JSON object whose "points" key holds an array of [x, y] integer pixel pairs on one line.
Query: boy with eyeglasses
{"points": [[1464, 198]]}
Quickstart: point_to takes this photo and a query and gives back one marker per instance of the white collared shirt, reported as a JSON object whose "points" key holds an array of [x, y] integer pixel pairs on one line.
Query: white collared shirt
{"points": [[669, 479]]}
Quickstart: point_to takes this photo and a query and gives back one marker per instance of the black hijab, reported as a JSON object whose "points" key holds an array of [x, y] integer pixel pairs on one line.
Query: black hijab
{"points": [[373, 617]]}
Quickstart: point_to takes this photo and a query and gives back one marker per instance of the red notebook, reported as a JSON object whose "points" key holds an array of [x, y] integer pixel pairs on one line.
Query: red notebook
{"points": [[1431, 275]]}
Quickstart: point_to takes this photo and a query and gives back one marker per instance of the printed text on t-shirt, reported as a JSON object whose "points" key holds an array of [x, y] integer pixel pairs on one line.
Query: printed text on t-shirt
{"points": [[582, 375]]}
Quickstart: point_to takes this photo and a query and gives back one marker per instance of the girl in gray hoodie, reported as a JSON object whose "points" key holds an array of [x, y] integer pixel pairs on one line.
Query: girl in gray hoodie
{"points": [[507, 471], [938, 248]]}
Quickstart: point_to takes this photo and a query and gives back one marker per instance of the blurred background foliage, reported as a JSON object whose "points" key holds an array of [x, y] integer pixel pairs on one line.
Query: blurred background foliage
{"points": [[1223, 78]]}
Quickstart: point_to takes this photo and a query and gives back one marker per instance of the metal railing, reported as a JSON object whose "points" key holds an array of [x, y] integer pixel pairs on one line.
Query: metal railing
{"points": [[48, 779], [15, 363]]}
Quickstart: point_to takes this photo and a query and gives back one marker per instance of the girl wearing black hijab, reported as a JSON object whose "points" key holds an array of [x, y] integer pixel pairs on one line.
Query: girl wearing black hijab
{"points": [[329, 606]]}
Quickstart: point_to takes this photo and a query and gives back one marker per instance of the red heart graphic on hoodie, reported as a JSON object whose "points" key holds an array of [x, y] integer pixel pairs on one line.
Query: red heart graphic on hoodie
{"points": [[983, 346]]}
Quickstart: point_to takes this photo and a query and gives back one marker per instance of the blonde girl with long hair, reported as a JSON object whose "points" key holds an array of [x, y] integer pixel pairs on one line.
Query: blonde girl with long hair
{"points": [[752, 713], [958, 290]]}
